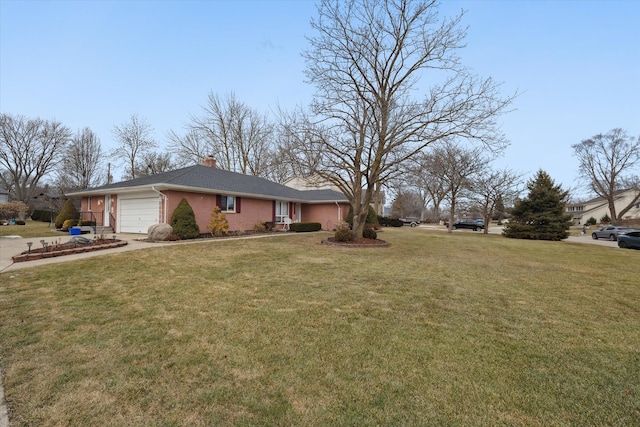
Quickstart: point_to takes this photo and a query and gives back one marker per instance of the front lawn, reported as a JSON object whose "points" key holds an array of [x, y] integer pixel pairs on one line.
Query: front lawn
{"points": [[438, 329], [30, 229]]}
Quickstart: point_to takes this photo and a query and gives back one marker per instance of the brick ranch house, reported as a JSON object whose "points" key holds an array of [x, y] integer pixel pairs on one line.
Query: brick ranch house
{"points": [[132, 206]]}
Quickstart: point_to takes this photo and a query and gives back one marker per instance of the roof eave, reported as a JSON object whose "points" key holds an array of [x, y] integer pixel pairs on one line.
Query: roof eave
{"points": [[190, 189]]}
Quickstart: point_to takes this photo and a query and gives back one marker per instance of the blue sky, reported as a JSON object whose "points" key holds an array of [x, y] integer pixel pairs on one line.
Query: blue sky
{"points": [[95, 63]]}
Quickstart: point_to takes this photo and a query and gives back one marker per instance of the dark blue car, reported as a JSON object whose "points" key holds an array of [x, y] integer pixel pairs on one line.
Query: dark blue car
{"points": [[630, 239]]}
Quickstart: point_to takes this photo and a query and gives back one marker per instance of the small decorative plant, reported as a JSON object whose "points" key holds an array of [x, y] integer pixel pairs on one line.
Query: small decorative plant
{"points": [[218, 226]]}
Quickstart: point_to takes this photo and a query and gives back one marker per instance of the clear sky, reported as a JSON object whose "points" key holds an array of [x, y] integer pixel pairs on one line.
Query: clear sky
{"points": [[95, 63]]}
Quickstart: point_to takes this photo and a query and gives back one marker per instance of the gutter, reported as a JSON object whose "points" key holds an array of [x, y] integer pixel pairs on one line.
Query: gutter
{"points": [[165, 199]]}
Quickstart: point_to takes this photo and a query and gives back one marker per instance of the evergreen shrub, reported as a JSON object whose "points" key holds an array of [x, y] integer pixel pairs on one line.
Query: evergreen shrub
{"points": [[68, 211], [302, 227], [369, 233], [183, 221], [372, 217], [386, 221], [343, 235], [591, 221]]}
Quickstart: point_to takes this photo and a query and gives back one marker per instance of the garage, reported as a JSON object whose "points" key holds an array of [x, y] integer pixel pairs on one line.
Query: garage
{"points": [[136, 214]]}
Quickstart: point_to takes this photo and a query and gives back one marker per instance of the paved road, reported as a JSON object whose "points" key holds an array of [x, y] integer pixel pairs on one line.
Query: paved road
{"points": [[498, 230]]}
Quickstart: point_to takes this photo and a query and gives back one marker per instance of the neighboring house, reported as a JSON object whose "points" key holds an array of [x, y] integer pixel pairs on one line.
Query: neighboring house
{"points": [[316, 182], [598, 207], [132, 206]]}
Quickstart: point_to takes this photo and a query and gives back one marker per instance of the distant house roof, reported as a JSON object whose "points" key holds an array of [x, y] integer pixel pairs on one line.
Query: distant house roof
{"points": [[599, 199], [206, 179]]}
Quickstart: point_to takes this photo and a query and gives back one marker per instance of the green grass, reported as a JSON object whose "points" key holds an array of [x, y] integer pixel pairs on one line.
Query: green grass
{"points": [[438, 329], [30, 229]]}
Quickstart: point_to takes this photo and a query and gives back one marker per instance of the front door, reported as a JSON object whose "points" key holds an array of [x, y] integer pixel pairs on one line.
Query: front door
{"points": [[107, 210]]}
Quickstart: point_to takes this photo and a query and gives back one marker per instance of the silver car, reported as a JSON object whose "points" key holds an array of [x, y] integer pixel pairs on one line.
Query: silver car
{"points": [[610, 232]]}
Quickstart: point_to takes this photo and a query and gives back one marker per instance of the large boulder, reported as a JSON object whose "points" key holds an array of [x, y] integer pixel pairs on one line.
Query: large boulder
{"points": [[159, 232]]}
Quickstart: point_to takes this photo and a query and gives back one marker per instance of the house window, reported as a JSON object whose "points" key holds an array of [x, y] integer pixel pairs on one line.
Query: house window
{"points": [[282, 211], [227, 204]]}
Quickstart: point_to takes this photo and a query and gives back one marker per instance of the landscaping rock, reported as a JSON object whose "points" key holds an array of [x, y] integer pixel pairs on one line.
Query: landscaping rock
{"points": [[159, 232]]}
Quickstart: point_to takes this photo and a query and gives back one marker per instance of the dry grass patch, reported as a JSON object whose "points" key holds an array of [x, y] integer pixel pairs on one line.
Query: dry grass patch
{"points": [[438, 329], [30, 229]]}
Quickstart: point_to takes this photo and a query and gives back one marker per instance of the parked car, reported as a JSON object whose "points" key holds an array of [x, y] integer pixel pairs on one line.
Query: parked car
{"points": [[630, 239], [410, 220], [471, 224], [610, 232]]}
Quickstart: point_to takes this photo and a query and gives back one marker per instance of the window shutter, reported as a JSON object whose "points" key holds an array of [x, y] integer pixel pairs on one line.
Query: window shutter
{"points": [[237, 204], [273, 213], [218, 200]]}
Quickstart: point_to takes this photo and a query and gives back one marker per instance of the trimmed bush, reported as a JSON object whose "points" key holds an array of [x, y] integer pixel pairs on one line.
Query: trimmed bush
{"points": [[303, 227], [386, 221], [369, 233], [343, 235], [68, 211], [13, 210], [218, 226], [183, 221], [591, 221], [605, 219]]}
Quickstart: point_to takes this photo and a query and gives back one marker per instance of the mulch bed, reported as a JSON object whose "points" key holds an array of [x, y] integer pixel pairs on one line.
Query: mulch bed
{"points": [[60, 249]]}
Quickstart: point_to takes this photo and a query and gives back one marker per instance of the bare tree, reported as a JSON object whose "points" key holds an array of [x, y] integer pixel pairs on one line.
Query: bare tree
{"points": [[493, 187], [152, 163], [236, 135], [30, 149], [80, 166], [189, 148], [366, 60], [608, 163], [407, 203], [135, 139], [425, 175], [456, 165]]}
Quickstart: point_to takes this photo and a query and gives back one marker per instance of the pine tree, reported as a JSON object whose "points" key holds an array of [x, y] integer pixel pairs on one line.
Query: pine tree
{"points": [[541, 215], [183, 221]]}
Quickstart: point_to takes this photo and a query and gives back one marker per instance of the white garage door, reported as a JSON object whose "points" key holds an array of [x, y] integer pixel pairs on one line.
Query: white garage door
{"points": [[137, 214]]}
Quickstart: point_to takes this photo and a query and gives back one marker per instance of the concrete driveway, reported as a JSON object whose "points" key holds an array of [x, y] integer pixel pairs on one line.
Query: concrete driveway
{"points": [[14, 245]]}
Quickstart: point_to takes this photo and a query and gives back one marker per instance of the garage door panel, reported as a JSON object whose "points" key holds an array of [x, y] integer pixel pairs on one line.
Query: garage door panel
{"points": [[138, 214]]}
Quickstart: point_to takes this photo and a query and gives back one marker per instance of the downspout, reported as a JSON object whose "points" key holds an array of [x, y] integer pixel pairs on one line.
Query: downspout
{"points": [[339, 213], [164, 204]]}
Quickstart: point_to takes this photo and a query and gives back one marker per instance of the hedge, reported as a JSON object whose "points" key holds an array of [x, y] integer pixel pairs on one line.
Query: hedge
{"points": [[301, 227]]}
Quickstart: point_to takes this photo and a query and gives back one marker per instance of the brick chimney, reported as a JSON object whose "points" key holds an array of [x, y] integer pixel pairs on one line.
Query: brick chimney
{"points": [[209, 161]]}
